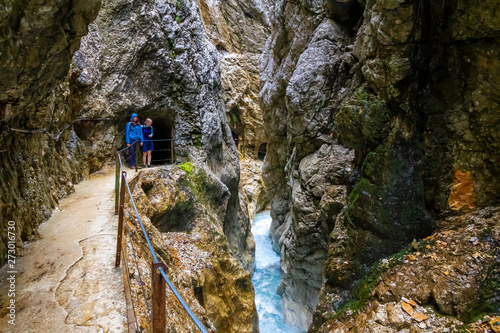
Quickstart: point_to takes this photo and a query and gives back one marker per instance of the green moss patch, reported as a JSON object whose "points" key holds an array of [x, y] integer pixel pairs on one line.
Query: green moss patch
{"points": [[196, 180], [188, 168]]}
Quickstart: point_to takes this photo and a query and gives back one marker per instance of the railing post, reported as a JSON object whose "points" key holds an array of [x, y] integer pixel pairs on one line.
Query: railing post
{"points": [[117, 183], [172, 143], [120, 220], [137, 154], [158, 315], [172, 151]]}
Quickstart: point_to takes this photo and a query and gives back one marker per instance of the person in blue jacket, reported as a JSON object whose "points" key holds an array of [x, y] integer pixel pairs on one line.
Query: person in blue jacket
{"points": [[147, 148], [133, 133]]}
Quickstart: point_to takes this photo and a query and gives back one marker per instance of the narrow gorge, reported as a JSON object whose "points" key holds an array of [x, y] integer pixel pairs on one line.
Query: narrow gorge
{"points": [[318, 165]]}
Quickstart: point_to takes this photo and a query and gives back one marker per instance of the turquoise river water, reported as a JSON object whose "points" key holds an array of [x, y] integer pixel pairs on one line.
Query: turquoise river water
{"points": [[266, 279]]}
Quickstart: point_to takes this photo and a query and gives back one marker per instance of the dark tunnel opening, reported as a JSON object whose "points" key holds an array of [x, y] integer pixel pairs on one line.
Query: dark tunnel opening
{"points": [[235, 137], [164, 149], [163, 144], [262, 151]]}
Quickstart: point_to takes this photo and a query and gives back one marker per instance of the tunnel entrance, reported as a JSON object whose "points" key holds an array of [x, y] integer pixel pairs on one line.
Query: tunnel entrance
{"points": [[262, 151], [163, 134], [236, 139]]}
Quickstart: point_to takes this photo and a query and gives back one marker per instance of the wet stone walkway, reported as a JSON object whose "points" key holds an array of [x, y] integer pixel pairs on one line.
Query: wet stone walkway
{"points": [[67, 281]]}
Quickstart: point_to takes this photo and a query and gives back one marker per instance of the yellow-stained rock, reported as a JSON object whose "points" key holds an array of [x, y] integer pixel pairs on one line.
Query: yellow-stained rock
{"points": [[462, 191], [419, 316], [407, 307]]}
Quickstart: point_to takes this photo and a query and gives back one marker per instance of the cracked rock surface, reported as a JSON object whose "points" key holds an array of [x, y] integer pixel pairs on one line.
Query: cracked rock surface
{"points": [[408, 89]]}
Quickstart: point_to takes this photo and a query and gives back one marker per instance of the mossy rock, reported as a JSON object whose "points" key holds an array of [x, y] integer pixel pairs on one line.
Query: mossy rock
{"points": [[362, 290], [363, 120], [197, 137], [386, 208], [188, 168], [489, 300], [206, 191]]}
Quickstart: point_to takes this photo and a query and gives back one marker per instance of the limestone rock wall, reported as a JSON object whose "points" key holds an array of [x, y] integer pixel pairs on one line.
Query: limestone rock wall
{"points": [[239, 29], [154, 58], [381, 117], [252, 188], [306, 71], [40, 163]]}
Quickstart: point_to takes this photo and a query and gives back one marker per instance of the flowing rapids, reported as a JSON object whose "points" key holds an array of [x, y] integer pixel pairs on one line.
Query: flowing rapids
{"points": [[266, 279]]}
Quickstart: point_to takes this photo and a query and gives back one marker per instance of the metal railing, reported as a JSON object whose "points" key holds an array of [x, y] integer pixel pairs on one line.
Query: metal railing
{"points": [[137, 158], [158, 269]]}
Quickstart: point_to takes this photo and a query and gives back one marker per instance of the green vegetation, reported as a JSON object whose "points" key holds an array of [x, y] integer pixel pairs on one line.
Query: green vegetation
{"points": [[234, 120], [188, 168], [198, 142], [363, 185], [170, 47], [195, 178], [363, 120], [196, 181], [197, 137], [168, 44], [488, 303], [370, 164]]}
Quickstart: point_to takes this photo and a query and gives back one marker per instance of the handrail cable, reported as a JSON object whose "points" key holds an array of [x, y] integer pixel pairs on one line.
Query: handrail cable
{"points": [[156, 140]]}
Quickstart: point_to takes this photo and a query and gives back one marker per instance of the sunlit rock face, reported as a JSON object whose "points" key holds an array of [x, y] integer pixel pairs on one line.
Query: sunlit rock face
{"points": [[38, 168], [252, 188], [183, 210], [239, 29], [394, 106]]}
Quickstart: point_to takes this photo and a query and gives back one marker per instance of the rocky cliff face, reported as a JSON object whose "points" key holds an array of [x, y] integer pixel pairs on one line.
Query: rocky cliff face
{"points": [[183, 209], [41, 157], [239, 29], [306, 71], [252, 187], [382, 117], [152, 58]]}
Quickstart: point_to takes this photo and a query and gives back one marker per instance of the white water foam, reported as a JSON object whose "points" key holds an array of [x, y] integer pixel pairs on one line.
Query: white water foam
{"points": [[266, 279]]}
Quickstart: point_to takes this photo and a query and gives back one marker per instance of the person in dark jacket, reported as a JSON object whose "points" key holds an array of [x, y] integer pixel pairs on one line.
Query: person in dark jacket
{"points": [[147, 148], [133, 133]]}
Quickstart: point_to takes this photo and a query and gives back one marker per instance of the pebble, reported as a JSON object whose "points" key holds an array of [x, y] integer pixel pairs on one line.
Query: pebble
{"points": [[474, 240]]}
